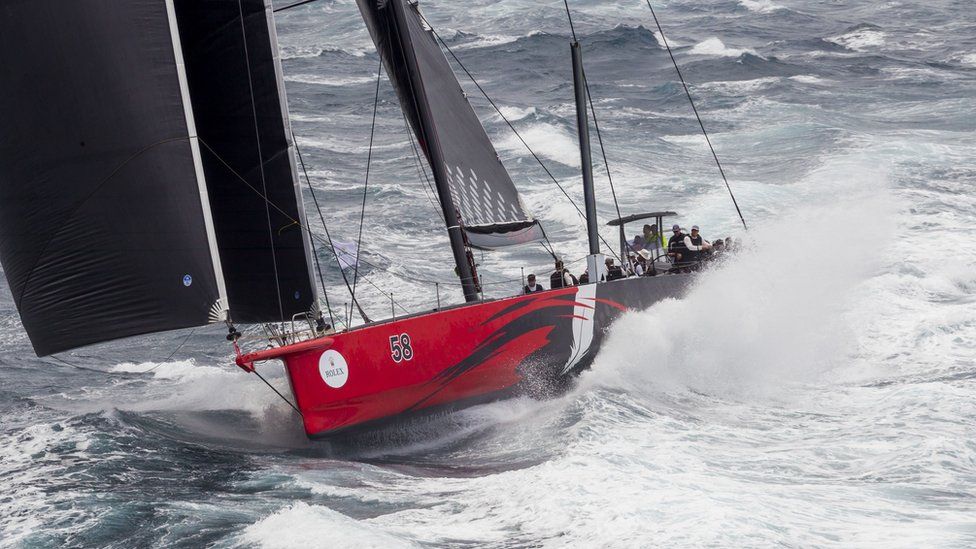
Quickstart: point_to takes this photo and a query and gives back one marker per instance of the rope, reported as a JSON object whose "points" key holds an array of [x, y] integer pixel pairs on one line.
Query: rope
{"points": [[264, 185], [178, 347], [369, 160], [327, 240], [698, 116]]}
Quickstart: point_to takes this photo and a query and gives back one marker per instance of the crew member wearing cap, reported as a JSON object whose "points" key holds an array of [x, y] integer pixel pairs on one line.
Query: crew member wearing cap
{"points": [[695, 245], [532, 287], [613, 271], [676, 246]]}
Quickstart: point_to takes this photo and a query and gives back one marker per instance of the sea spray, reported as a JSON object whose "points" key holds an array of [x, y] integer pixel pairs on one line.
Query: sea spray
{"points": [[770, 314]]}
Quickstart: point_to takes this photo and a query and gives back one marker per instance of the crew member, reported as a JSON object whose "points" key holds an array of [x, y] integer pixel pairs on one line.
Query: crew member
{"points": [[561, 277], [676, 247], [531, 287], [653, 240], [696, 246], [636, 269], [614, 272]]}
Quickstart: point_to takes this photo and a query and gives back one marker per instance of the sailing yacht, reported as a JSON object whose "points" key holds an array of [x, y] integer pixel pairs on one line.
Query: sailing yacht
{"points": [[148, 182]]}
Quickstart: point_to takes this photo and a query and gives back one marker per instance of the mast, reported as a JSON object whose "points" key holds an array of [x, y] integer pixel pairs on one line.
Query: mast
{"points": [[594, 261], [432, 144]]}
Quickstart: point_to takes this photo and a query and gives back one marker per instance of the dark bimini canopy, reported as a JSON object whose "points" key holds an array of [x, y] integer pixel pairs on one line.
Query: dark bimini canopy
{"points": [[639, 217], [115, 218]]}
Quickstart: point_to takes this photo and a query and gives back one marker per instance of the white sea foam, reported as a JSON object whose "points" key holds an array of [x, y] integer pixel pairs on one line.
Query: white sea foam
{"points": [[860, 39], [741, 86], [188, 386], [328, 80], [517, 113], [29, 459], [548, 140], [715, 47], [809, 79], [487, 41], [780, 323], [303, 525], [968, 59], [760, 6]]}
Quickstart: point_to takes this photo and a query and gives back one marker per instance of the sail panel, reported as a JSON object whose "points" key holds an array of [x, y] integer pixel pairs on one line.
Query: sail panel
{"points": [[234, 73], [482, 190], [102, 229]]}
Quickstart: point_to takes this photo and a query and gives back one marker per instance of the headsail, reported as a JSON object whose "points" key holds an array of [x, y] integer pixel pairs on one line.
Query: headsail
{"points": [[238, 94], [103, 226], [116, 217], [491, 212]]}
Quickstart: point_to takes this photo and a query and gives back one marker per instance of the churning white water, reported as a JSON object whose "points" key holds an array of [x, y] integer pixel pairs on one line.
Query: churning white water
{"points": [[817, 389]]}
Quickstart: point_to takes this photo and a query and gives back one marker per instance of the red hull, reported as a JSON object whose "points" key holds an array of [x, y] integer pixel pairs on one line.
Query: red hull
{"points": [[391, 368]]}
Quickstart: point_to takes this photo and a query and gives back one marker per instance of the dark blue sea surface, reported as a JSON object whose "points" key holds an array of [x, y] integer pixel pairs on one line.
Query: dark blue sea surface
{"points": [[818, 390]]}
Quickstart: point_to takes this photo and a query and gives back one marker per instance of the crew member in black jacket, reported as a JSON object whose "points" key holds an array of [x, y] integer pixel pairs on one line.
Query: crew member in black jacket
{"points": [[676, 247], [561, 277], [532, 287]]}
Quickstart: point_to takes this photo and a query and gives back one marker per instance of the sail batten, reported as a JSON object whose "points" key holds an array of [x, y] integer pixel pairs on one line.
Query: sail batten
{"points": [[481, 190]]}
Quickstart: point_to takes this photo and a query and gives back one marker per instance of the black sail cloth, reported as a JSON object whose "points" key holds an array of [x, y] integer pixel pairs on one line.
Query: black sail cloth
{"points": [[490, 209], [106, 225], [102, 227], [234, 74]]}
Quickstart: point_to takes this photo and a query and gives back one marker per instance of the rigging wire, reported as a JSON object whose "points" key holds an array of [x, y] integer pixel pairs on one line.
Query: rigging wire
{"points": [[295, 5], [596, 122], [698, 116], [421, 171], [512, 127], [328, 236], [311, 236], [177, 349], [277, 392], [603, 150], [369, 160], [569, 15], [327, 240]]}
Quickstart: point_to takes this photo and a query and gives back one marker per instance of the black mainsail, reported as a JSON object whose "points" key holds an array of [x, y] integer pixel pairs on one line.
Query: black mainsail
{"points": [[488, 207], [115, 217]]}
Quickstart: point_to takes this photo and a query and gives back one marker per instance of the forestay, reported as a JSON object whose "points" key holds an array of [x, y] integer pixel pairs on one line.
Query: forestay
{"points": [[489, 207]]}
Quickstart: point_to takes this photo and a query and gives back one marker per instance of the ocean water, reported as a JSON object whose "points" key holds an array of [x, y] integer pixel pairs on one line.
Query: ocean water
{"points": [[818, 390]]}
